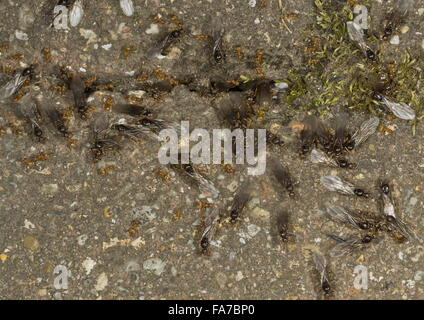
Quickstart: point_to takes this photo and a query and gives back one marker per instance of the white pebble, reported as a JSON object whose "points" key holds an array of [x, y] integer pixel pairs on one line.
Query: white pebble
{"points": [[257, 21], [239, 276], [404, 29], [89, 35], [88, 264], [154, 264], [102, 281], [281, 85], [419, 275], [28, 224], [154, 29], [253, 230], [21, 35], [107, 46], [137, 93], [395, 40], [252, 3]]}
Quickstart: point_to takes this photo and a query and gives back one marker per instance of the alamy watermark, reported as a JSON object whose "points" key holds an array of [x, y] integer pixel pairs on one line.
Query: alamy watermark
{"points": [[62, 273], [208, 150], [361, 280], [61, 15], [361, 18]]}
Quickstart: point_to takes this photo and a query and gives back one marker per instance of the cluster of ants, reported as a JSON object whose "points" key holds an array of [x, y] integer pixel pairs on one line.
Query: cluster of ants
{"points": [[325, 146], [316, 134]]}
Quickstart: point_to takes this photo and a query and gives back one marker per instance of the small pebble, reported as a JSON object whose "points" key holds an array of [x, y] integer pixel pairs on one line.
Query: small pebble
{"points": [[419, 275], [253, 230], [31, 243], [395, 40], [281, 85], [155, 264], [137, 93], [107, 46], [404, 29], [50, 189], [132, 266], [360, 176], [221, 278], [21, 35], [88, 264], [260, 213], [413, 201], [28, 224], [154, 29], [102, 282], [89, 35], [239, 276]]}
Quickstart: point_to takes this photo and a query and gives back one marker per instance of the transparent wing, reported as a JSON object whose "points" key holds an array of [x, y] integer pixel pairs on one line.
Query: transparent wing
{"points": [[366, 129], [12, 86], [131, 109], [344, 215], [155, 126], [28, 109], [346, 247], [132, 131], [240, 200], [340, 132], [211, 223], [334, 183], [320, 157], [77, 87], [217, 50], [320, 263], [309, 131], [403, 229], [399, 109], [204, 184], [356, 34], [56, 119], [282, 175]]}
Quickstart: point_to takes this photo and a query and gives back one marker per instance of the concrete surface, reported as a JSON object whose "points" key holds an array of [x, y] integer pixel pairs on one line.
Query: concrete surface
{"points": [[133, 232]]}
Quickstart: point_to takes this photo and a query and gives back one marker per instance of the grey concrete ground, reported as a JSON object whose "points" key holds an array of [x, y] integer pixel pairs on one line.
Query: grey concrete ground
{"points": [[132, 232]]}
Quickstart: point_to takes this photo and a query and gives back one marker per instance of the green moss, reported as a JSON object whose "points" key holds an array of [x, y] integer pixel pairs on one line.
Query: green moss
{"points": [[334, 72]]}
